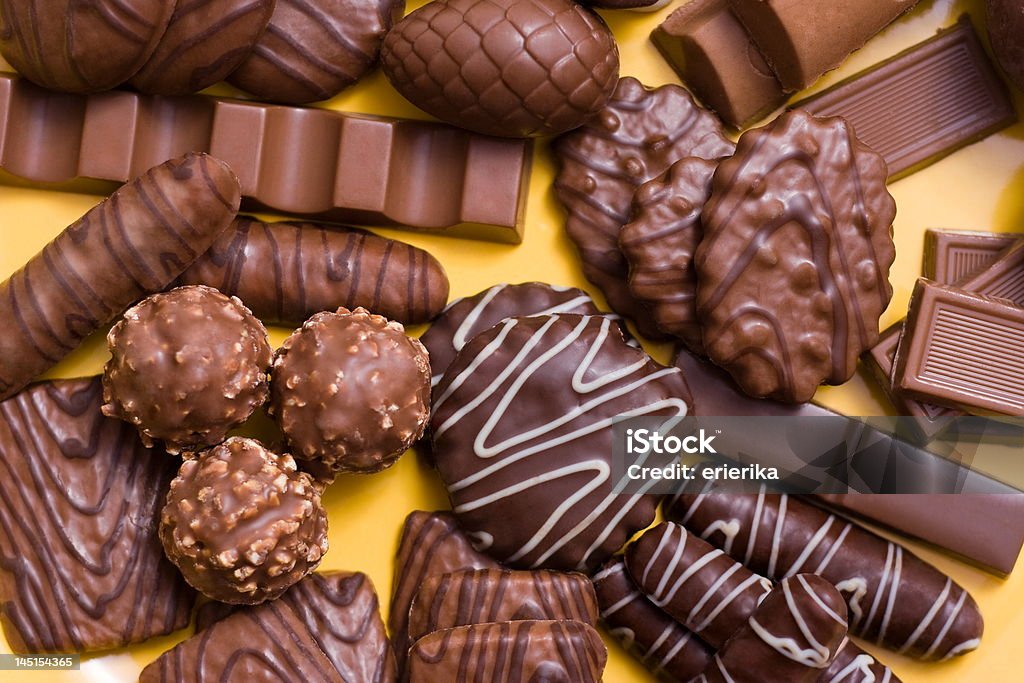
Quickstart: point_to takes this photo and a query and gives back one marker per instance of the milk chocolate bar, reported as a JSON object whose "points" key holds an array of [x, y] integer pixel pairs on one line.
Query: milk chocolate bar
{"points": [[962, 350], [345, 168], [925, 103], [1004, 279], [952, 255]]}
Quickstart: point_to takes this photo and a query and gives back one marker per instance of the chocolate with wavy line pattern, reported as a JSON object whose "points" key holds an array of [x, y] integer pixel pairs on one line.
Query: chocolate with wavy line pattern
{"points": [[205, 41], [522, 438], [895, 599], [634, 139], [312, 50], [81, 568], [133, 244], [510, 652], [286, 272], [793, 269]]}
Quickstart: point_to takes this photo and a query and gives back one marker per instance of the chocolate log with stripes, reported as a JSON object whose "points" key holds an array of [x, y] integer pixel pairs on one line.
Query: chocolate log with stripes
{"points": [[133, 244]]}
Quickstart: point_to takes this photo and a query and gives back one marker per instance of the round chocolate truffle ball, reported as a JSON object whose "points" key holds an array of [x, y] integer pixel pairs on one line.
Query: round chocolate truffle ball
{"points": [[186, 366], [242, 523], [351, 391]]}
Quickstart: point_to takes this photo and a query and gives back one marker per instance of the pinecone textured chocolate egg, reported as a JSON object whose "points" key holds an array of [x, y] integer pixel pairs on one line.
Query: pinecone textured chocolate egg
{"points": [[515, 68]]}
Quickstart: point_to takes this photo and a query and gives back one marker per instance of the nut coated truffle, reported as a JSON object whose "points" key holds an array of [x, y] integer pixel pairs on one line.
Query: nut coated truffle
{"points": [[186, 366], [242, 523], [351, 391]]}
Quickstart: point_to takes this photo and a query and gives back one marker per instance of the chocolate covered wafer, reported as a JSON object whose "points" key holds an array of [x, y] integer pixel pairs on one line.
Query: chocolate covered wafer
{"points": [[134, 243], [81, 568], [286, 272], [952, 255]]}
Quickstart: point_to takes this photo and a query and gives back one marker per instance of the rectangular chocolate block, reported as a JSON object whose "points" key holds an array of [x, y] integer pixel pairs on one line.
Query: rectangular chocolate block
{"points": [[1004, 279], [962, 350], [925, 103], [952, 255], [347, 168]]}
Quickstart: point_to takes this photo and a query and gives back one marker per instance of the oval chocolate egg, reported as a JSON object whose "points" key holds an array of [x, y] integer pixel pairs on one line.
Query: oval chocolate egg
{"points": [[515, 68]]}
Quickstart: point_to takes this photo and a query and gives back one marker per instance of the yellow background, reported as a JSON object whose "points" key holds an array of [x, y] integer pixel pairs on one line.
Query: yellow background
{"points": [[981, 187]]}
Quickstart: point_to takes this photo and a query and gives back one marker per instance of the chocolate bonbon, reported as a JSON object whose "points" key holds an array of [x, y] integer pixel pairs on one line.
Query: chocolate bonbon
{"points": [[895, 599], [515, 68], [793, 270], [313, 51], [134, 243], [81, 568], [327, 627], [952, 255], [522, 438], [348, 168], [1005, 25], [242, 523], [186, 367], [923, 104], [286, 272], [512, 652], [634, 139]]}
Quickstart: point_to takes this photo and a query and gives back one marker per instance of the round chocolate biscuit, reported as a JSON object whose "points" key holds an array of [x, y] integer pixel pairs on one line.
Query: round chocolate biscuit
{"points": [[81, 47], [659, 244], [205, 41], [1006, 31], [513, 68], [793, 269], [522, 438], [311, 51]]}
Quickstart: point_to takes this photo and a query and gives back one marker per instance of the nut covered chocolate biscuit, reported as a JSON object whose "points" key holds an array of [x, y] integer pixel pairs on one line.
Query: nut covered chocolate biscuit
{"points": [[522, 437], [634, 139], [186, 367], [659, 243], [81, 568], [313, 50], [512, 68], [351, 391], [511, 652], [242, 523], [793, 270]]}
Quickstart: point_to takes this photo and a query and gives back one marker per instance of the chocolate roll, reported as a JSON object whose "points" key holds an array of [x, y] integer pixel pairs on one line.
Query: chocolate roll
{"points": [[895, 599], [133, 244], [286, 272], [794, 634]]}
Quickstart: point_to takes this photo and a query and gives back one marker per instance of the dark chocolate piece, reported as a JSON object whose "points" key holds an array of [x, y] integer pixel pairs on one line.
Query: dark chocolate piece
{"points": [[659, 243], [313, 50], [1003, 279], [133, 244], [793, 270], [952, 255], [348, 168], [286, 272], [351, 391], [74, 47], [664, 645], [480, 596], [81, 568], [205, 41], [522, 438], [896, 600], [633, 140], [512, 652], [962, 350], [801, 42], [711, 51], [186, 367], [923, 104], [1005, 27], [517, 68], [432, 544], [327, 627]]}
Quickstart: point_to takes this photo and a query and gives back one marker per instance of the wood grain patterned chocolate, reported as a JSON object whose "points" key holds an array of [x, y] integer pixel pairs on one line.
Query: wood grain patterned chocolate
{"points": [[793, 270], [522, 438], [81, 568]]}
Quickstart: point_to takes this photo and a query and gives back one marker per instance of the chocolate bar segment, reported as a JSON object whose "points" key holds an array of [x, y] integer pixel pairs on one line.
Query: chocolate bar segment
{"points": [[952, 255], [81, 568], [1004, 279], [962, 350], [923, 104]]}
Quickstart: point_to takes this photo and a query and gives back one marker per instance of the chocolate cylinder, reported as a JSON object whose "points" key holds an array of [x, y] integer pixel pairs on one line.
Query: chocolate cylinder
{"points": [[133, 244]]}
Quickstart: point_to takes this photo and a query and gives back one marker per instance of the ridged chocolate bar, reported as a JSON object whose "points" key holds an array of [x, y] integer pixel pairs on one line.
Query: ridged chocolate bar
{"points": [[923, 104], [952, 255], [1004, 279], [346, 168]]}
